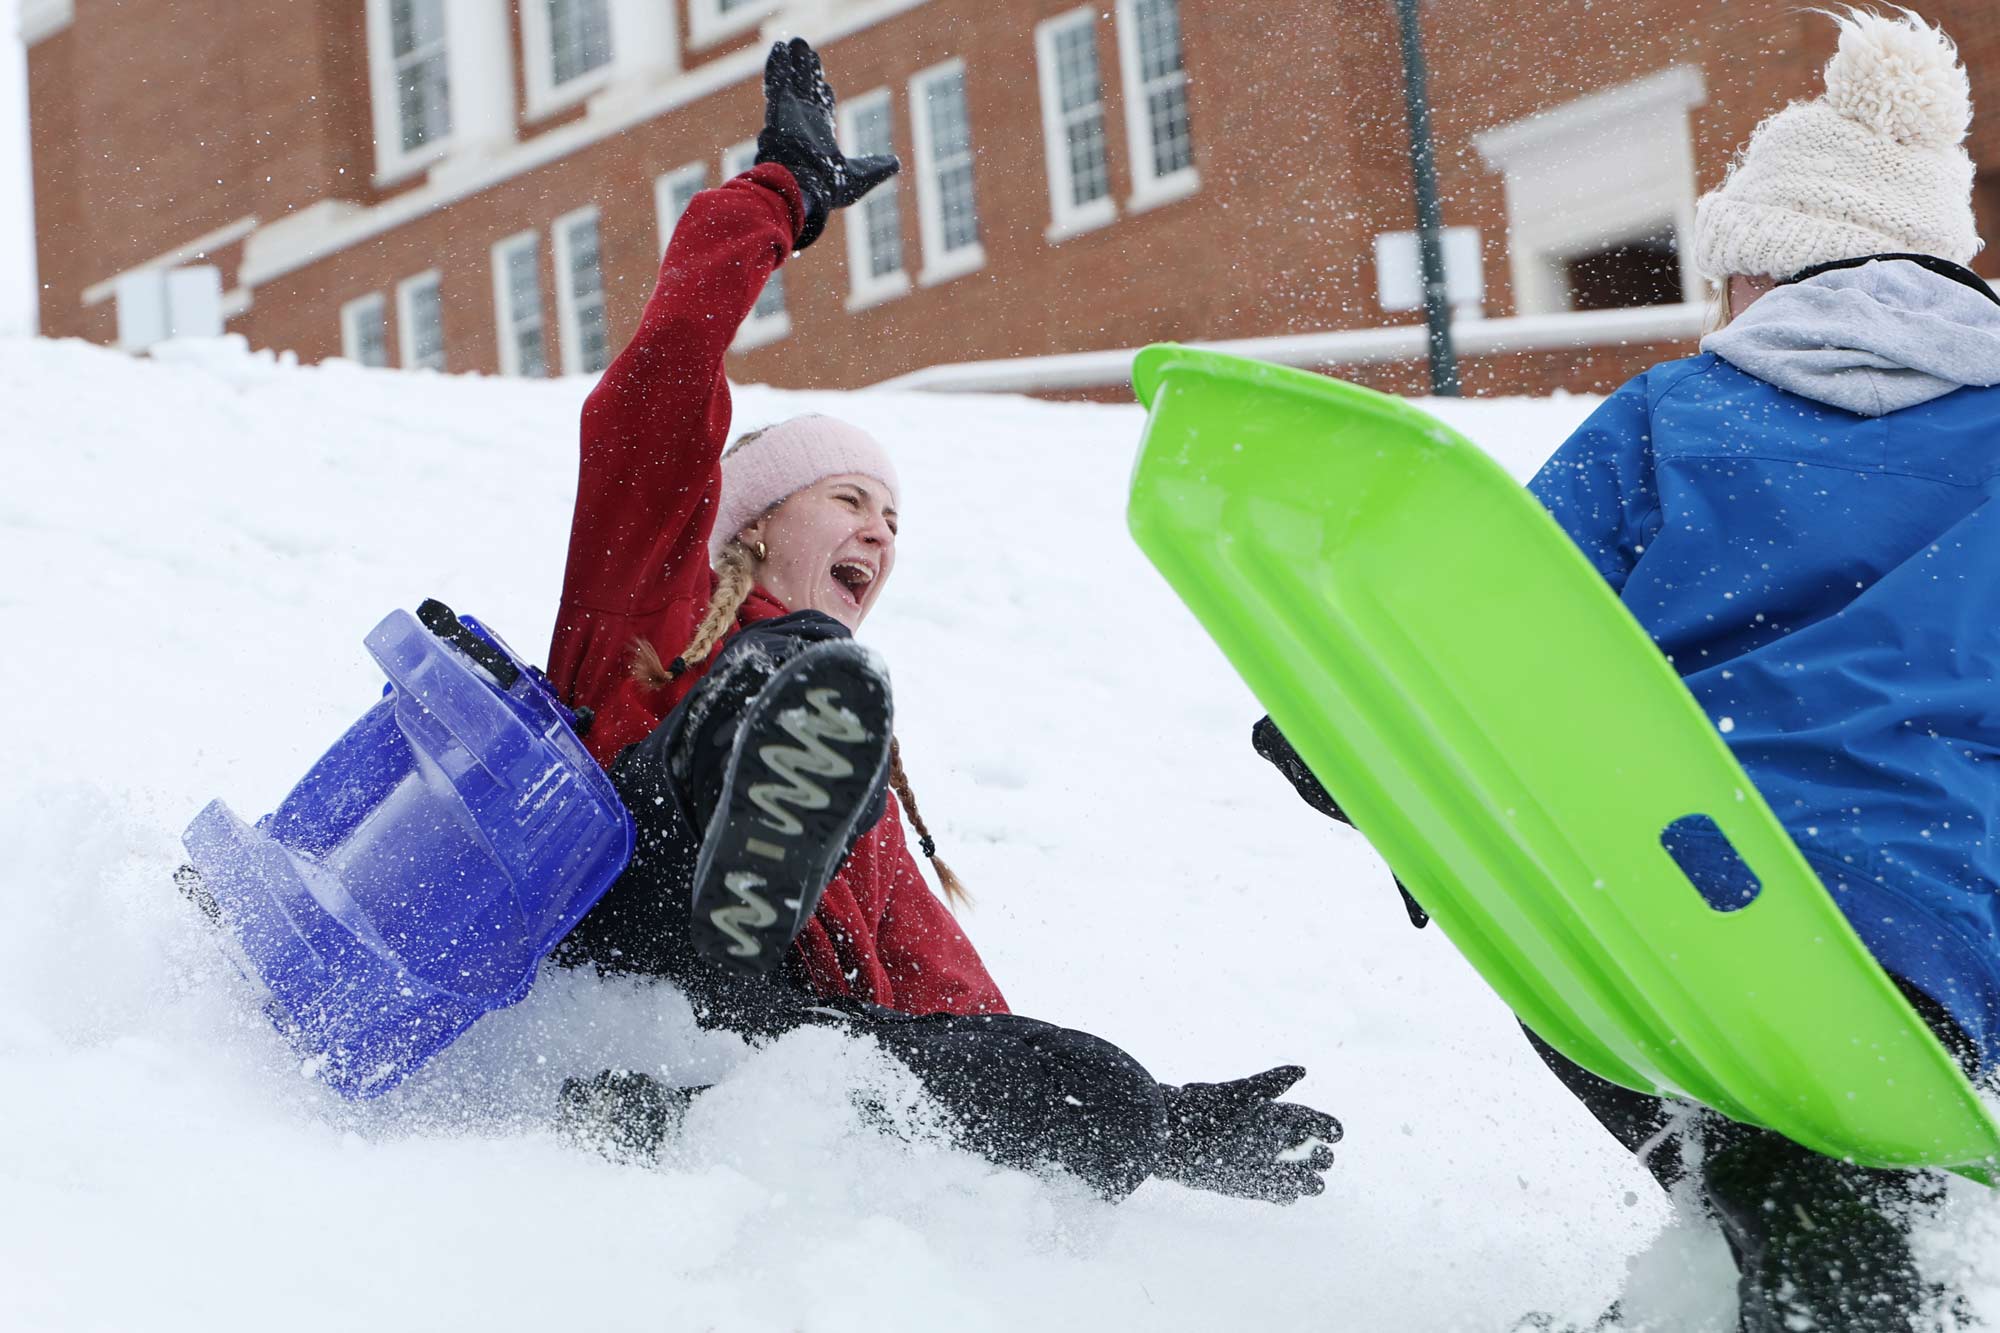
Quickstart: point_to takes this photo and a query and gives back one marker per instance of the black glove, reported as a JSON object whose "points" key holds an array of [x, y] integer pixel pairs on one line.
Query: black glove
{"points": [[1237, 1138], [798, 135], [1268, 741], [621, 1113]]}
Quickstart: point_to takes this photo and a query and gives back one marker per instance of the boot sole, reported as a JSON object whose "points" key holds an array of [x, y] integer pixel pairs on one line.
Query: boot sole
{"points": [[805, 762]]}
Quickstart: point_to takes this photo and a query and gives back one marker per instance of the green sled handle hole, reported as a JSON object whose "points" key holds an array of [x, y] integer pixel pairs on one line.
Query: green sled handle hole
{"points": [[1711, 863]]}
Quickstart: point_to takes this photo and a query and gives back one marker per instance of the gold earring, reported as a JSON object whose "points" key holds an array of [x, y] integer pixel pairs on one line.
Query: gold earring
{"points": [[763, 553]]}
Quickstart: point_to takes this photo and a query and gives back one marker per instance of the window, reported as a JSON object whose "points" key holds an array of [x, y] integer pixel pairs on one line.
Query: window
{"points": [[710, 21], [410, 82], [947, 214], [517, 305], [420, 321], [586, 347], [1640, 270], [1156, 101], [672, 193], [568, 51], [364, 330], [769, 320], [875, 225], [1600, 197], [1073, 124]]}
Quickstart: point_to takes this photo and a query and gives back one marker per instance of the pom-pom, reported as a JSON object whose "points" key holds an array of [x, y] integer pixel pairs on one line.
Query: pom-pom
{"points": [[1900, 77]]}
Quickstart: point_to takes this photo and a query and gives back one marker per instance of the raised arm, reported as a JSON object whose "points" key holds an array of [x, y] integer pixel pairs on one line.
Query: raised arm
{"points": [[655, 425]]}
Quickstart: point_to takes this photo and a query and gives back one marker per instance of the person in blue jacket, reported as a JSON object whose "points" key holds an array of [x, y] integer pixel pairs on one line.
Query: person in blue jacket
{"points": [[1801, 516]]}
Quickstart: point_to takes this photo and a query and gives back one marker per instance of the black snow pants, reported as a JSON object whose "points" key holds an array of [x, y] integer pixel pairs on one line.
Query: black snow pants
{"points": [[1021, 1092], [1819, 1243]]}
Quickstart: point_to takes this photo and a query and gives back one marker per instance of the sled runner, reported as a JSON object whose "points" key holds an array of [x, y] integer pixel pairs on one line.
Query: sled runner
{"points": [[415, 878], [1508, 737]]}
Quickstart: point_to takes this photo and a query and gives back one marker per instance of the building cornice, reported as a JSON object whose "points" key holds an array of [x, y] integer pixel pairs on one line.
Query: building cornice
{"points": [[323, 229]]}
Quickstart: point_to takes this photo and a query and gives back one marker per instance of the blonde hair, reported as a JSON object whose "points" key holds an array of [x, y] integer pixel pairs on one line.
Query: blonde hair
{"points": [[1718, 315], [735, 576]]}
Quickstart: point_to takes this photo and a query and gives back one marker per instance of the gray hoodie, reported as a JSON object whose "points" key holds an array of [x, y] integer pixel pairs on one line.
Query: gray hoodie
{"points": [[1887, 335]]}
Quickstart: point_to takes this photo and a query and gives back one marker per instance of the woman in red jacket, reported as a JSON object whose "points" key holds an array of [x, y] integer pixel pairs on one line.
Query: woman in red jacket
{"points": [[707, 618]]}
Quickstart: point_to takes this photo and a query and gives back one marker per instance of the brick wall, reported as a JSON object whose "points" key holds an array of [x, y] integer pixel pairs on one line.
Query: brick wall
{"points": [[1298, 128]]}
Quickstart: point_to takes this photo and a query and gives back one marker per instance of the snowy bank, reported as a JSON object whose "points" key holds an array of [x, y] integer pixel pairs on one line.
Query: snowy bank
{"points": [[195, 545]]}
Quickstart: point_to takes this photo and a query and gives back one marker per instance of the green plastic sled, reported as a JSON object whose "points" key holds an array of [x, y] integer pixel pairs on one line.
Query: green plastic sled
{"points": [[1511, 741]]}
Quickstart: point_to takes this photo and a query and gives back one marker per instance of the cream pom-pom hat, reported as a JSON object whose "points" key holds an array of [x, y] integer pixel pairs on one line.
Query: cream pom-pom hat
{"points": [[1876, 165]]}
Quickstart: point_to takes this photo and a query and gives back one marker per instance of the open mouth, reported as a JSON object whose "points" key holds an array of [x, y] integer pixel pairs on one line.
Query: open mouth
{"points": [[853, 579]]}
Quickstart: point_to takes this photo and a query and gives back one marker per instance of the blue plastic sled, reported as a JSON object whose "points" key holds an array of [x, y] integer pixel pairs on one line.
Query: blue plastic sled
{"points": [[418, 875]]}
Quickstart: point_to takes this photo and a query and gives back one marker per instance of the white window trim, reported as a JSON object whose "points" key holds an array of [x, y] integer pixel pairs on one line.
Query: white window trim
{"points": [[503, 313], [867, 289], [1065, 218], [571, 345], [1605, 167], [545, 95], [350, 332], [663, 195], [756, 330], [938, 267], [392, 164], [707, 24], [406, 342], [1148, 190]]}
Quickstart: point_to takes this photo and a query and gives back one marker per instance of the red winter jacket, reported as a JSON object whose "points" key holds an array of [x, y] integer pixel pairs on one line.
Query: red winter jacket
{"points": [[653, 433]]}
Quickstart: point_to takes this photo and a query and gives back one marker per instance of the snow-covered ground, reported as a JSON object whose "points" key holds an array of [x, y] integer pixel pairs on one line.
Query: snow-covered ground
{"points": [[192, 548]]}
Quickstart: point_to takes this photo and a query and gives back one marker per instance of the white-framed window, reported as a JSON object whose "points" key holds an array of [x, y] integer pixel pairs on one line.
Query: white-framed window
{"points": [[1156, 102], [568, 48], [875, 225], [584, 338], [769, 319], [947, 213], [410, 84], [517, 305], [1073, 124], [672, 193], [1600, 196], [420, 321], [712, 21], [364, 330]]}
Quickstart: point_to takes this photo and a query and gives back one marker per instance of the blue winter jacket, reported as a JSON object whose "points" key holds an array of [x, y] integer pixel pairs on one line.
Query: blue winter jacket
{"points": [[1827, 581]]}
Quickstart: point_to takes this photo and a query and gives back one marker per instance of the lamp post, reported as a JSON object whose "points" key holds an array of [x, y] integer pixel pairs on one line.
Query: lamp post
{"points": [[1423, 175]]}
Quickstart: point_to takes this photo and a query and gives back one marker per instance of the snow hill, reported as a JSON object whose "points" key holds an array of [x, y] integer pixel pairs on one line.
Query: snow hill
{"points": [[193, 547]]}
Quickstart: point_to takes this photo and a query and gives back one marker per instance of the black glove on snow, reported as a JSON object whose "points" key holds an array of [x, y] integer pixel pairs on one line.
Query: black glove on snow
{"points": [[621, 1113], [1268, 741], [1237, 1138], [798, 136]]}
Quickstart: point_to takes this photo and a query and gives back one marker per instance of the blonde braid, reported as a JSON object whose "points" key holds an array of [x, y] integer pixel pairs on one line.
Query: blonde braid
{"points": [[735, 576], [954, 888]]}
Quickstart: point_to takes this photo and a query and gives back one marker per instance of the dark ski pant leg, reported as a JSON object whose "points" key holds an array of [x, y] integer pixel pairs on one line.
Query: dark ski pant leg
{"points": [[1815, 1238], [1030, 1094]]}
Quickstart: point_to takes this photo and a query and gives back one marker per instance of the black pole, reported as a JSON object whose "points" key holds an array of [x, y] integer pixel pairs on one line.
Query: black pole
{"points": [[1423, 175]]}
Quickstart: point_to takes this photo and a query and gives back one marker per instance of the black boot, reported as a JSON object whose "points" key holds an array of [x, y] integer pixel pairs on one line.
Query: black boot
{"points": [[784, 764], [1821, 1243]]}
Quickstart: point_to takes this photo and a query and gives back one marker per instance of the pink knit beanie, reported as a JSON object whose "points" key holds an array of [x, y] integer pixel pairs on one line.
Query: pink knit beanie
{"points": [[784, 460]]}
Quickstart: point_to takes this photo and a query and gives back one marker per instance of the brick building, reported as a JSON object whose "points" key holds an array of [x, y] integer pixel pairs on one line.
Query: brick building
{"points": [[482, 185]]}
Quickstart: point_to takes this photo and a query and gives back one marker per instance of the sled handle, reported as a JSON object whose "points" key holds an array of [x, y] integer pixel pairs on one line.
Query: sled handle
{"points": [[442, 621]]}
